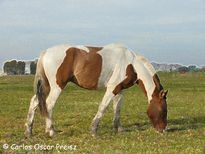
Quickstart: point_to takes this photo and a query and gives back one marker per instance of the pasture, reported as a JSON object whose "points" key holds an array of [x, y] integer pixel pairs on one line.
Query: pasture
{"points": [[77, 107]]}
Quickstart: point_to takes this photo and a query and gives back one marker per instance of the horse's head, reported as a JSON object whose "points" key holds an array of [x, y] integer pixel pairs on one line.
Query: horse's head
{"points": [[157, 111]]}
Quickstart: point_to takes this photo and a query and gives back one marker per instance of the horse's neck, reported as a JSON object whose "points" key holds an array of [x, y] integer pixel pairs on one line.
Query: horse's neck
{"points": [[145, 76]]}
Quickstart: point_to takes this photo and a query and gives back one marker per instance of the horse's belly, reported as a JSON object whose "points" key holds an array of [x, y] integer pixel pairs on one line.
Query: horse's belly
{"points": [[86, 80], [92, 78], [87, 74]]}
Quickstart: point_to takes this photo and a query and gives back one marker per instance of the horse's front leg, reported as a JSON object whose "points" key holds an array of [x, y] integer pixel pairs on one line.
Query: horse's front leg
{"points": [[117, 101], [101, 110]]}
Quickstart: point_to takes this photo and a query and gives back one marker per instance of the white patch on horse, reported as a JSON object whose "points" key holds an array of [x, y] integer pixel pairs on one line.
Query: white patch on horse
{"points": [[58, 54], [114, 69], [146, 63], [115, 60], [145, 73], [82, 48]]}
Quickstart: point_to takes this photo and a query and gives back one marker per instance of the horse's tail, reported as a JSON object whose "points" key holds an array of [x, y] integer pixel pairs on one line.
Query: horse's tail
{"points": [[42, 87]]}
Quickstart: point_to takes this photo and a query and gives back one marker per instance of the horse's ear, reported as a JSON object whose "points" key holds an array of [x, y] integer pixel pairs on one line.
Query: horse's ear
{"points": [[163, 94], [166, 93]]}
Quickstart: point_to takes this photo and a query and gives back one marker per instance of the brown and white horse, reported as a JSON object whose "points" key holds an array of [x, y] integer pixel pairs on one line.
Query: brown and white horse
{"points": [[113, 67]]}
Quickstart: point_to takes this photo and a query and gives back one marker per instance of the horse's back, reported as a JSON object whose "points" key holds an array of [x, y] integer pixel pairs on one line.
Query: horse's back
{"points": [[88, 67]]}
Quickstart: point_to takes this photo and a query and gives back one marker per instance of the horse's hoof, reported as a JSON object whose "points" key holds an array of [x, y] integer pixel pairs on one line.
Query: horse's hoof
{"points": [[94, 134], [53, 133], [121, 130], [28, 130], [28, 133], [47, 130]]}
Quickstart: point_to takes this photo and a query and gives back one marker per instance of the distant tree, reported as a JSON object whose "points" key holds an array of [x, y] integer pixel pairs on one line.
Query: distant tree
{"points": [[33, 67], [10, 67], [192, 68], [183, 69], [14, 68], [20, 68]]}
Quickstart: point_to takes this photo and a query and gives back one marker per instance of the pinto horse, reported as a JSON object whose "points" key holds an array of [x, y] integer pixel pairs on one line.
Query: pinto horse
{"points": [[113, 67]]}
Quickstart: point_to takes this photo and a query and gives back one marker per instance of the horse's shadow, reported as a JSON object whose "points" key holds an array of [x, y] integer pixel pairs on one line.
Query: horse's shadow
{"points": [[174, 125], [189, 123]]}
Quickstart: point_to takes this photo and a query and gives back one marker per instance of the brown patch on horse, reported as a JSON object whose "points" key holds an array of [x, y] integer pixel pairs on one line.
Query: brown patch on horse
{"points": [[141, 85], [128, 82], [158, 87], [65, 71], [157, 110], [157, 113], [81, 67]]}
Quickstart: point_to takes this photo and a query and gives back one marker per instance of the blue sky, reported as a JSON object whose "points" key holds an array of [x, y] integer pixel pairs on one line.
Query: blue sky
{"points": [[171, 31]]}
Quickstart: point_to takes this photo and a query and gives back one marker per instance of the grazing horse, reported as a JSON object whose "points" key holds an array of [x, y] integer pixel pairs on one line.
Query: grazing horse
{"points": [[113, 67]]}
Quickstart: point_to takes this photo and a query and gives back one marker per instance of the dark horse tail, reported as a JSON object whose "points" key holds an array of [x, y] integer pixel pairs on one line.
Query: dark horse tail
{"points": [[42, 86]]}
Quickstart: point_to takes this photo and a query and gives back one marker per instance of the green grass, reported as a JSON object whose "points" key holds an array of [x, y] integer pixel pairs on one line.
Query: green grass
{"points": [[77, 107]]}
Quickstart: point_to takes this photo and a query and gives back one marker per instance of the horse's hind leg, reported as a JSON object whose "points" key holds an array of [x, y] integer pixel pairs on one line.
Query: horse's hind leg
{"points": [[50, 103], [117, 101], [30, 116]]}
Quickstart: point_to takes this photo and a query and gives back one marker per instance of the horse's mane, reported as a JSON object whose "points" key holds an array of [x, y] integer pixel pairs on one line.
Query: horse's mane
{"points": [[151, 70], [146, 63]]}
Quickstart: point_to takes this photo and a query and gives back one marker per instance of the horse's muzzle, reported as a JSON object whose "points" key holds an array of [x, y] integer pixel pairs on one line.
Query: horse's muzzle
{"points": [[161, 130]]}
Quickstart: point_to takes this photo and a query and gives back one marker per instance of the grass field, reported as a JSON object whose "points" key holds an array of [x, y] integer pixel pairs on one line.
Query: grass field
{"points": [[77, 107]]}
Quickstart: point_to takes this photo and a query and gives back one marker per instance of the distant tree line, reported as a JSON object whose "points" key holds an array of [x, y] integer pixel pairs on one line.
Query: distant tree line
{"points": [[191, 68], [18, 67]]}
